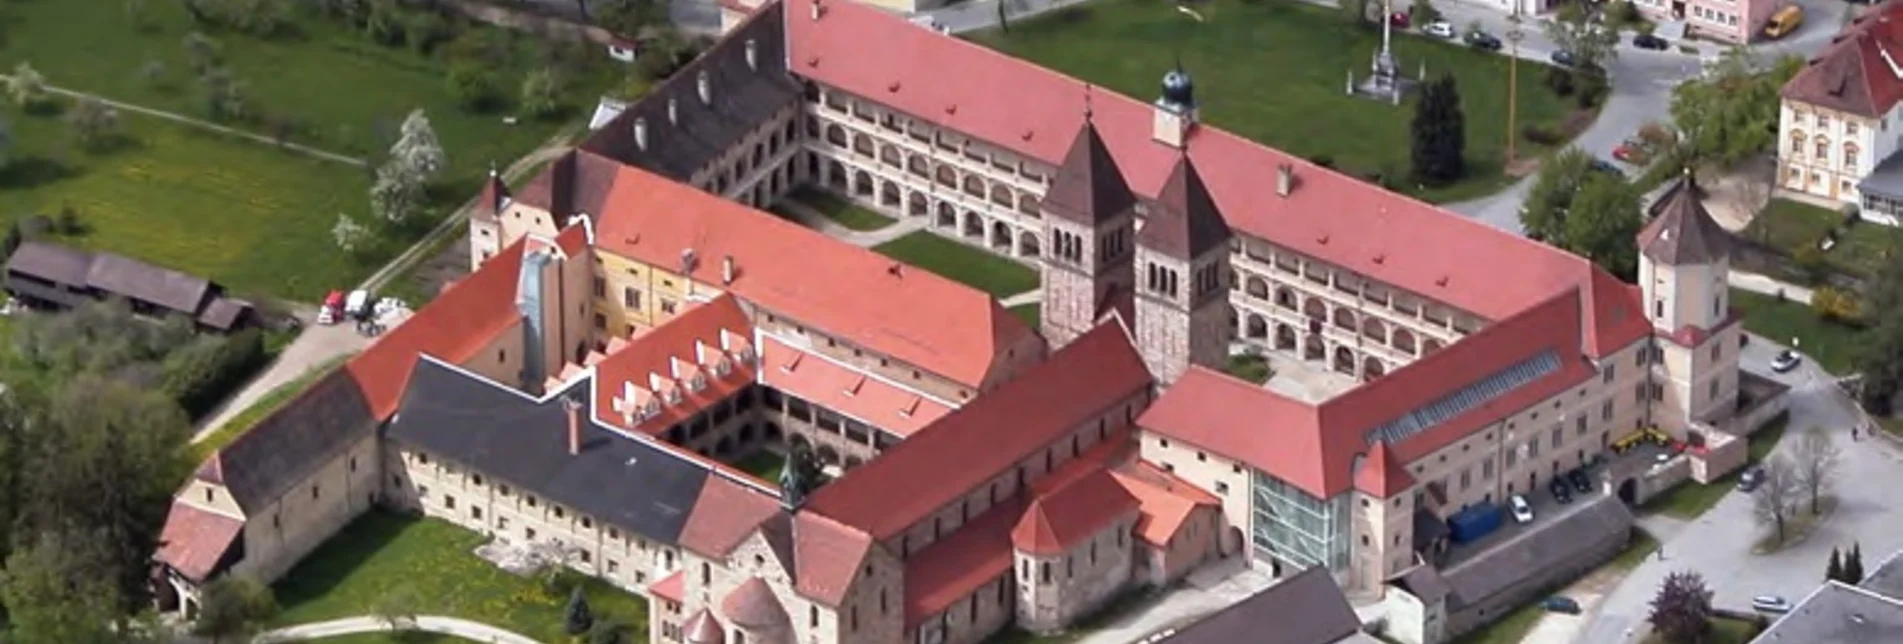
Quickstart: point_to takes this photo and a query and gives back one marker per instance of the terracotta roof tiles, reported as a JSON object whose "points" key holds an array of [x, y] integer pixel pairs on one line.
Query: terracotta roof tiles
{"points": [[1855, 72], [1683, 232], [828, 555], [194, 541], [950, 569], [1088, 187], [889, 407], [1185, 223], [752, 605], [724, 515], [1061, 518], [693, 347]]}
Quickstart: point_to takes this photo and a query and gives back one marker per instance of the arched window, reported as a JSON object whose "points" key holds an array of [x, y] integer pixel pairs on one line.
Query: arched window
{"points": [[1797, 143], [1850, 157], [1823, 148]]}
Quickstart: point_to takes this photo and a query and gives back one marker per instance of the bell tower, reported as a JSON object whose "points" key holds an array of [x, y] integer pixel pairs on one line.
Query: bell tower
{"points": [[1182, 304], [1684, 266], [1089, 232]]}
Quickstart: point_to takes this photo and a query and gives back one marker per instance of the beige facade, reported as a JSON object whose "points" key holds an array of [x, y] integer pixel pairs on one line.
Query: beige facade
{"points": [[1055, 591]]}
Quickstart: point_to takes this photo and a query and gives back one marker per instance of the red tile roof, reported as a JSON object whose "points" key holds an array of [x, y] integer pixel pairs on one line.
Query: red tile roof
{"points": [[1061, 518], [453, 327], [953, 568], [1164, 502], [668, 360], [987, 437], [850, 392], [672, 588], [752, 605], [1381, 474], [912, 315], [1037, 112], [194, 540], [724, 515], [827, 555], [1314, 446], [1852, 74]]}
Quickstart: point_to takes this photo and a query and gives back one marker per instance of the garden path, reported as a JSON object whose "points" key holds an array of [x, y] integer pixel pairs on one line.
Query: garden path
{"points": [[472, 631]]}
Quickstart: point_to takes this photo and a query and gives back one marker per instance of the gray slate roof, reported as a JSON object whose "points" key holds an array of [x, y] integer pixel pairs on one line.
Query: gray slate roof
{"points": [[1838, 614], [1682, 232], [742, 97], [1089, 188], [1184, 221], [1887, 578], [510, 437], [262, 464], [1307, 608], [111, 273], [1541, 546]]}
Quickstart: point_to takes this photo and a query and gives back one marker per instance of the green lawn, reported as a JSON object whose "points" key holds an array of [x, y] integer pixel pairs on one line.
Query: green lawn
{"points": [[840, 210], [766, 464], [1691, 499], [1790, 225], [976, 268], [1274, 72], [1032, 314], [1833, 345], [382, 553], [1251, 368], [270, 402]]}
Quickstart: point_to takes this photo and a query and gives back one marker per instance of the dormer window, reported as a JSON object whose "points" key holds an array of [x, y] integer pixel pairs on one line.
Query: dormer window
{"points": [[699, 382], [652, 409], [674, 396], [722, 368]]}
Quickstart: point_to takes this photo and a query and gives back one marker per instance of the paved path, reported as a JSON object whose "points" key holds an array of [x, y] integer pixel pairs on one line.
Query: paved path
{"points": [[472, 631], [1760, 284], [1204, 591], [811, 218], [318, 345], [1033, 296], [204, 124], [1718, 544]]}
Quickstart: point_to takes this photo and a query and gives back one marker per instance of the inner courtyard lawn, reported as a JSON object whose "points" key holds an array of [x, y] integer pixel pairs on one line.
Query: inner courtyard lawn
{"points": [[342, 91], [252, 217], [1276, 71], [975, 268], [434, 564]]}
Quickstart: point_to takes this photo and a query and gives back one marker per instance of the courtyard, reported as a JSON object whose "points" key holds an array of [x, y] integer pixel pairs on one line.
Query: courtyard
{"points": [[1269, 70], [432, 567], [242, 211], [971, 266]]}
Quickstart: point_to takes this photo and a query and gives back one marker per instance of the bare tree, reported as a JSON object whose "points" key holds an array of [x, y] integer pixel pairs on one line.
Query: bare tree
{"points": [[1776, 498], [1816, 459]]}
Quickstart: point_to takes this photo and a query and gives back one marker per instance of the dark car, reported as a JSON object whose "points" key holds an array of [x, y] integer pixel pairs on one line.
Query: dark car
{"points": [[1649, 41], [1750, 479], [1557, 604], [1605, 166], [1559, 490], [1581, 483], [1483, 41], [1562, 58]]}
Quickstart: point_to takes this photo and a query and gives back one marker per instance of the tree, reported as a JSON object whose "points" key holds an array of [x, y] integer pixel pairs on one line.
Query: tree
{"points": [[1357, 10], [26, 86], [577, 619], [541, 93], [202, 53], [1543, 215], [1835, 571], [1591, 45], [630, 17], [1776, 497], [395, 193], [224, 95], [6, 141], [59, 588], [94, 124], [13, 239], [474, 87], [1681, 611], [397, 608], [417, 147], [607, 632], [1591, 213], [232, 606], [350, 236], [1439, 134], [1731, 113], [1816, 458], [1853, 564]]}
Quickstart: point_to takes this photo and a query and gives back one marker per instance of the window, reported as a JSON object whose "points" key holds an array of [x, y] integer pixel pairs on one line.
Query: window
{"points": [[1714, 386], [1044, 573], [1579, 425], [1850, 128], [667, 306], [475, 512], [630, 297], [1717, 350], [706, 574], [449, 501], [1559, 434], [208, 495], [1486, 469], [422, 459], [1607, 375], [601, 286], [558, 512], [1823, 148], [587, 523], [476, 478], [1605, 410], [313, 491], [1850, 157], [353, 463], [1222, 488], [1466, 479]]}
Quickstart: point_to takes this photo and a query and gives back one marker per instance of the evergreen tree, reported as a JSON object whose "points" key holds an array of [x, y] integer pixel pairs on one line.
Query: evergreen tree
{"points": [[1853, 564], [579, 619], [1439, 134], [1681, 612], [1836, 569]]}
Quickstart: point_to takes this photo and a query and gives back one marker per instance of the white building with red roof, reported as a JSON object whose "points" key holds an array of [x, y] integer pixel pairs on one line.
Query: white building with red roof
{"points": [[1834, 140]]}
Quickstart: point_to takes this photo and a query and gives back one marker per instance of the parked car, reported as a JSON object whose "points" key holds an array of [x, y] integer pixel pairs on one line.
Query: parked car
{"points": [[1627, 151], [1605, 166], [1439, 28], [1559, 490], [1770, 604], [1649, 41], [1522, 511], [1785, 361], [1562, 58], [1750, 480], [1558, 604], [1482, 40], [1399, 20], [1581, 483]]}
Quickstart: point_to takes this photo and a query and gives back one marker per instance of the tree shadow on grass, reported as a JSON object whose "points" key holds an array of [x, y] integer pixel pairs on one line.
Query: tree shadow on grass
{"points": [[32, 172], [334, 562]]}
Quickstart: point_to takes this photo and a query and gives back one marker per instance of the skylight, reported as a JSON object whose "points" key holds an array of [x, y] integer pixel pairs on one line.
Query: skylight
{"points": [[1465, 399]]}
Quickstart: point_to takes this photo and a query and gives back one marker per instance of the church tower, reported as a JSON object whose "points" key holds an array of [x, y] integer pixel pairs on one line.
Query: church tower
{"points": [[1089, 230], [1684, 263], [1182, 303]]}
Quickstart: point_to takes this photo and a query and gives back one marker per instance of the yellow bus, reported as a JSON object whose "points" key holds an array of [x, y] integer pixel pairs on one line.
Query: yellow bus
{"points": [[1784, 22]]}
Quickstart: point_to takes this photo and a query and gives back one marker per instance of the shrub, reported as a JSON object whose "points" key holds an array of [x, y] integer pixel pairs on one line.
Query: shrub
{"points": [[1655, 135], [1540, 134], [1810, 262], [1591, 89], [1560, 80], [474, 87], [200, 374], [1851, 215], [1836, 305]]}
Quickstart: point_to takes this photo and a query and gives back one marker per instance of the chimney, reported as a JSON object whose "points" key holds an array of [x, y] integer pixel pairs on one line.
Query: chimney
{"points": [[641, 133], [818, 10], [706, 85], [573, 407], [753, 55], [673, 111], [726, 270], [1284, 179]]}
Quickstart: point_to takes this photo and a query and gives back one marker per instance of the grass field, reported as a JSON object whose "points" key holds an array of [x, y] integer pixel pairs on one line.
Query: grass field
{"points": [[1833, 345], [765, 464], [1274, 72], [1789, 225], [1032, 314], [381, 553], [976, 268], [1691, 499], [250, 216]]}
